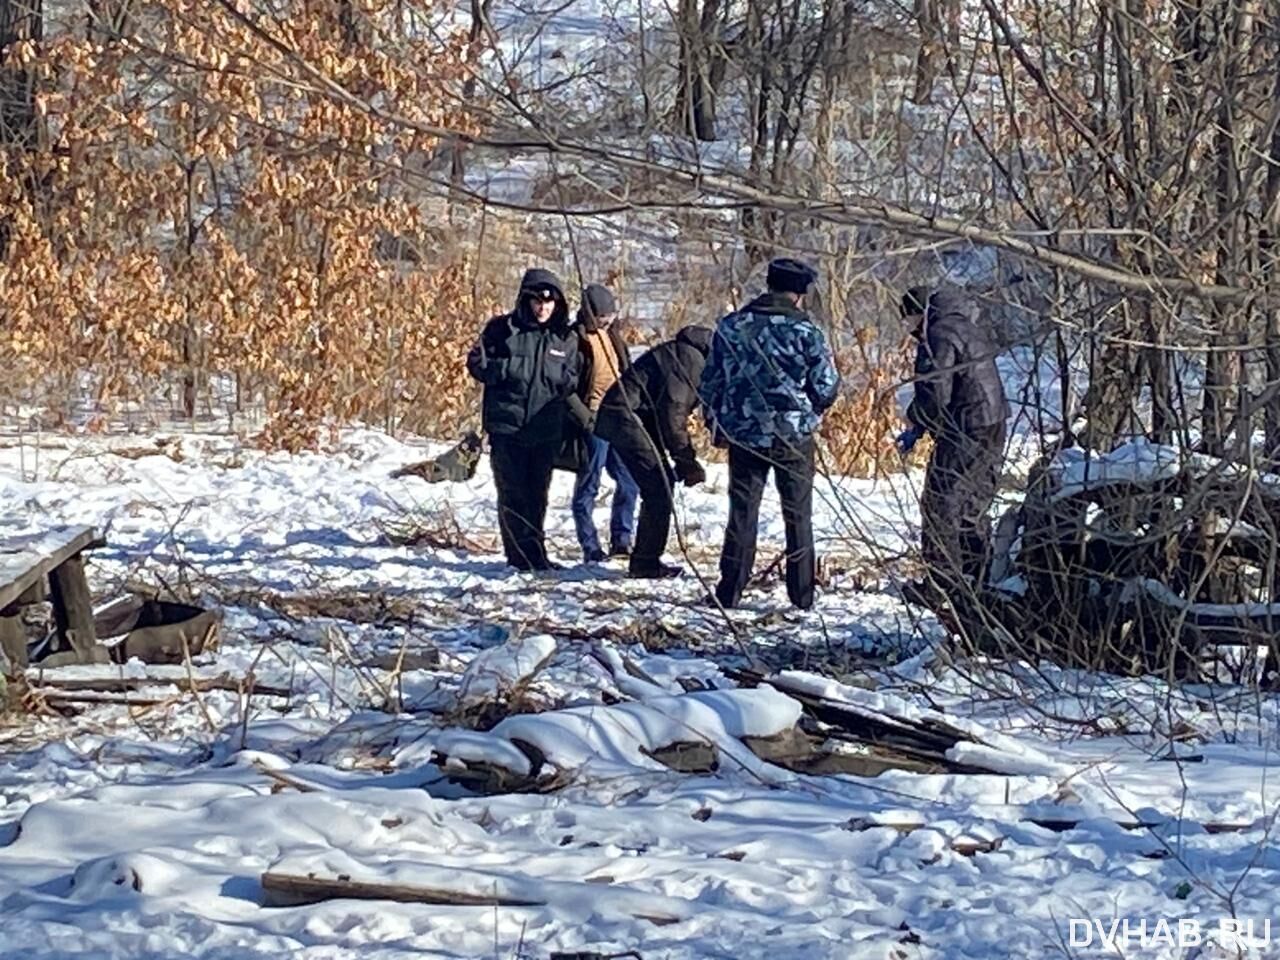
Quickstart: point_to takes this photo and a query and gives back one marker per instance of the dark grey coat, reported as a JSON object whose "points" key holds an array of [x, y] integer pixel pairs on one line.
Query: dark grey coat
{"points": [[958, 388]]}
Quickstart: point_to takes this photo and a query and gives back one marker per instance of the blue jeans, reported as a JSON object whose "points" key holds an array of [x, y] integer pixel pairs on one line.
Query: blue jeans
{"points": [[622, 519]]}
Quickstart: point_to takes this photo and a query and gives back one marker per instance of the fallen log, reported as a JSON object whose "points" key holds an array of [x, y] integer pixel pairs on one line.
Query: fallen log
{"points": [[283, 781], [293, 890], [686, 756], [965, 846], [281, 889], [1062, 826]]}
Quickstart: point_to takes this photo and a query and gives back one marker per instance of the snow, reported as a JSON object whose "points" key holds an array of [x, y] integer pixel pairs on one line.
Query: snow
{"points": [[499, 669], [142, 831], [1138, 461]]}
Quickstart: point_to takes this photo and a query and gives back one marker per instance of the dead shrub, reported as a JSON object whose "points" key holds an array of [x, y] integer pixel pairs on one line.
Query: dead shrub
{"points": [[435, 529], [860, 430]]}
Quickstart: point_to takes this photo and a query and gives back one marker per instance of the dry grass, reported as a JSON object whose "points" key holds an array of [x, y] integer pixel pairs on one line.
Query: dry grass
{"points": [[861, 429]]}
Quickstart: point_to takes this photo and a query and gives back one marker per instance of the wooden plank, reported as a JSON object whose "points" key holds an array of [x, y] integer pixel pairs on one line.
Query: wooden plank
{"points": [[27, 560], [73, 609], [48, 683], [13, 643], [38, 592]]}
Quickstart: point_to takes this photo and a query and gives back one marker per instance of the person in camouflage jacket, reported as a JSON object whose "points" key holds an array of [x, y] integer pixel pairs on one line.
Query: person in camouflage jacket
{"points": [[768, 380]]}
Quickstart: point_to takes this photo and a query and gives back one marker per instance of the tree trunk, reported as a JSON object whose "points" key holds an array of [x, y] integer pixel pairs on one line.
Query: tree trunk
{"points": [[1164, 416], [1108, 401], [1223, 370], [458, 149], [699, 43], [20, 20], [109, 19], [1270, 251], [928, 14], [754, 220]]}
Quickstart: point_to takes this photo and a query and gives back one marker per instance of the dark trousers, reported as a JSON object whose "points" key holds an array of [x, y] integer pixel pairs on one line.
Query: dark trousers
{"points": [[522, 475], [959, 485], [645, 460], [792, 464]]}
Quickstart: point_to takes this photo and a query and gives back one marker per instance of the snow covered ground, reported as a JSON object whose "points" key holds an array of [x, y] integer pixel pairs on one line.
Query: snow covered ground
{"points": [[143, 831]]}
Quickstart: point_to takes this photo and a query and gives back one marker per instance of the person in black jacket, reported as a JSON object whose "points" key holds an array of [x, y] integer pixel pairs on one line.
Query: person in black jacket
{"points": [[645, 417], [529, 363], [960, 402]]}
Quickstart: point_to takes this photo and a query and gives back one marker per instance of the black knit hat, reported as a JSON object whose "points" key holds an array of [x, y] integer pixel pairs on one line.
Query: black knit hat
{"points": [[597, 302], [914, 301], [790, 276]]}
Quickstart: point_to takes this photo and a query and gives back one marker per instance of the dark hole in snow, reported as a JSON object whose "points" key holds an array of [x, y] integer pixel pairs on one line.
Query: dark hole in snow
{"points": [[136, 613], [154, 631]]}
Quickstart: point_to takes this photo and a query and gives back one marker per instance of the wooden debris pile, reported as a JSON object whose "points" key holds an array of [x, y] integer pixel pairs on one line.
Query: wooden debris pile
{"points": [[1139, 561], [772, 727]]}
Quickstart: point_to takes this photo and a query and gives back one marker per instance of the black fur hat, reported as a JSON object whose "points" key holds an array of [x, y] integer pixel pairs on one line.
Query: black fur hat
{"points": [[790, 276]]}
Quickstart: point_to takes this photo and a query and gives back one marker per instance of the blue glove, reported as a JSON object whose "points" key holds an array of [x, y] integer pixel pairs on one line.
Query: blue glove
{"points": [[907, 440]]}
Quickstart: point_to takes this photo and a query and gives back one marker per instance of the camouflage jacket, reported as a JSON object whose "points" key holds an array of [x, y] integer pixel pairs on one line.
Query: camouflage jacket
{"points": [[769, 376]]}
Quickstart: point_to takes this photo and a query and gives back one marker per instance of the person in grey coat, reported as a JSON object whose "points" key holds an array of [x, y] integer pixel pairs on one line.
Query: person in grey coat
{"points": [[960, 402]]}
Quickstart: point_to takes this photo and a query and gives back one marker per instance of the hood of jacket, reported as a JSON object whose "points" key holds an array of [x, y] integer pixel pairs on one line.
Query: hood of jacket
{"points": [[946, 307], [696, 336], [536, 279]]}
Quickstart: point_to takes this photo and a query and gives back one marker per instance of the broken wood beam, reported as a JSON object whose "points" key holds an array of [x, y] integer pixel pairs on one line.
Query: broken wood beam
{"points": [[55, 698], [38, 592], [73, 610], [922, 743], [13, 644], [280, 889]]}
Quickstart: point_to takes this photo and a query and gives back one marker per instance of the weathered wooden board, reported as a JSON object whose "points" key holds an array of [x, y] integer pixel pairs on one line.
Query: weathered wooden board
{"points": [[27, 560]]}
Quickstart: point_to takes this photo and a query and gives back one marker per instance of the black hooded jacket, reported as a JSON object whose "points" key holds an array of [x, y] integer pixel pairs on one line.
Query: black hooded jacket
{"points": [[958, 387], [661, 388], [529, 370]]}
